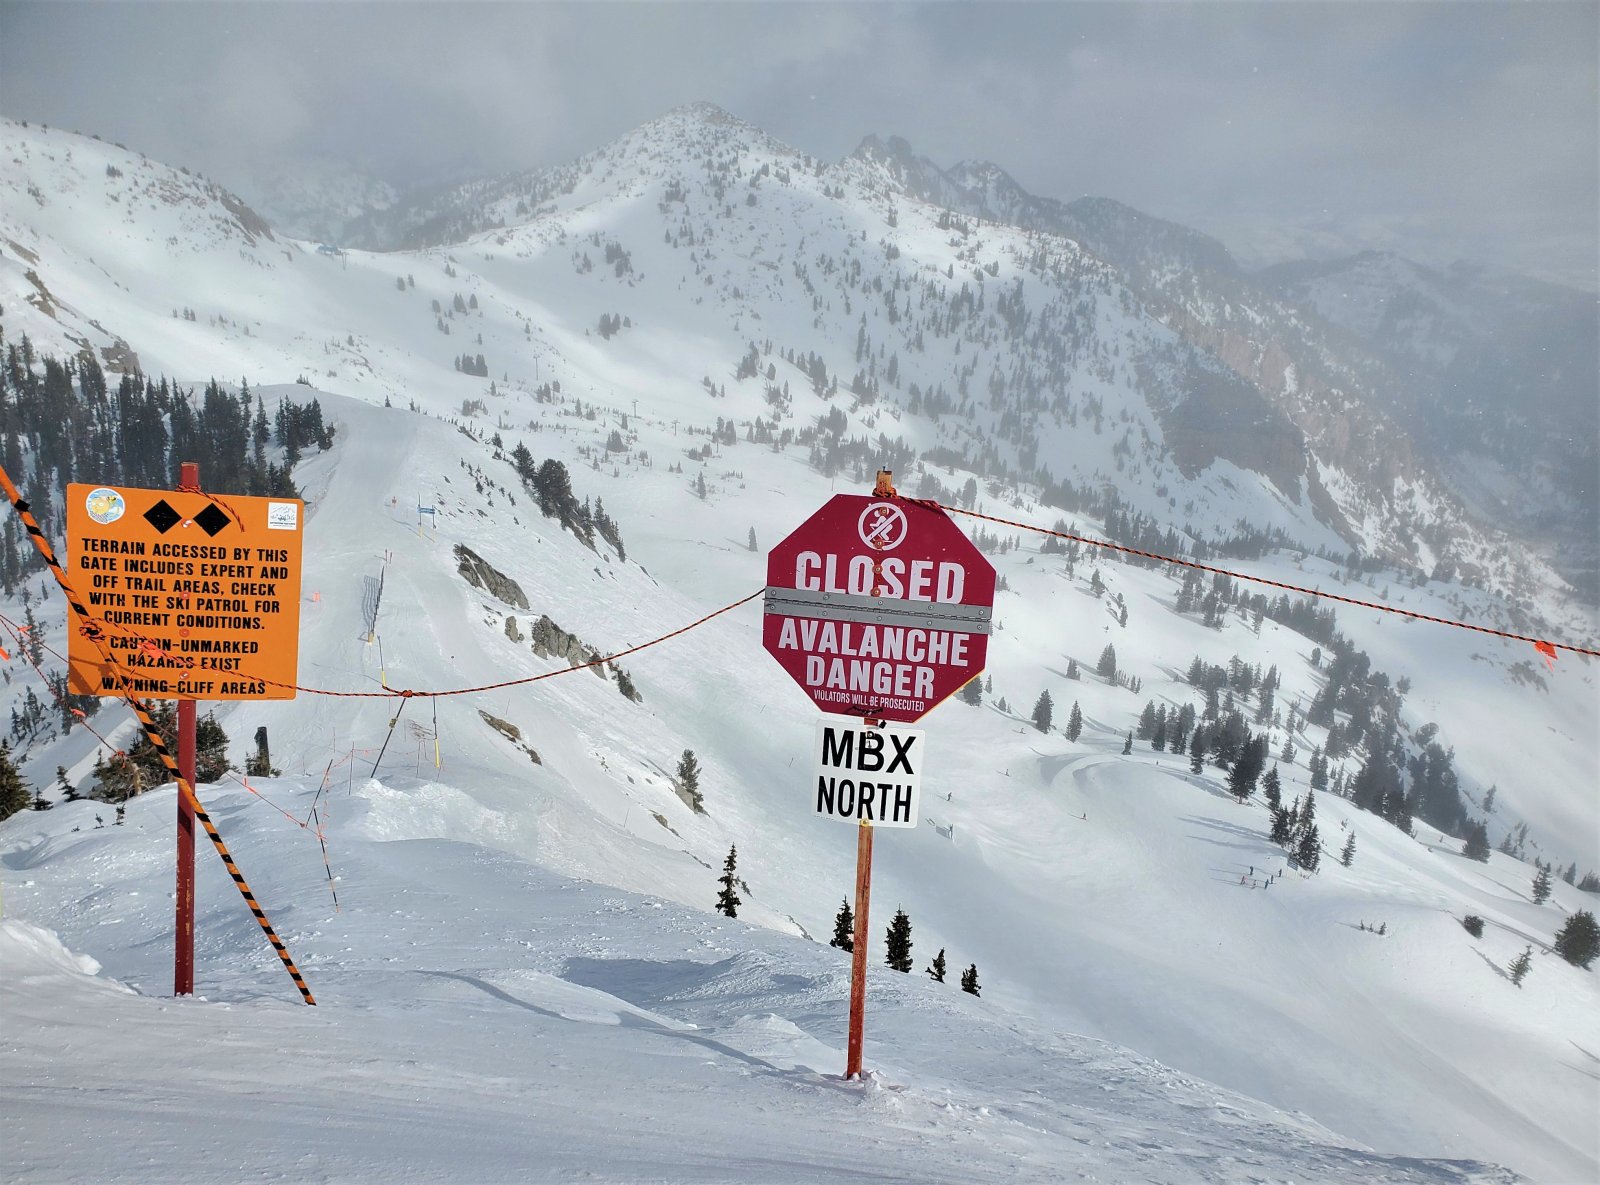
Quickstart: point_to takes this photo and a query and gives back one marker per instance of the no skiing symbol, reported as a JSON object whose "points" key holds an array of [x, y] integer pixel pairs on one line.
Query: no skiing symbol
{"points": [[882, 526]]}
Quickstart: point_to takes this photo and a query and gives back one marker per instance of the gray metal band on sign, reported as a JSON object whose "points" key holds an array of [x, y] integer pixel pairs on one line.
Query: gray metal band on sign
{"points": [[831, 606]]}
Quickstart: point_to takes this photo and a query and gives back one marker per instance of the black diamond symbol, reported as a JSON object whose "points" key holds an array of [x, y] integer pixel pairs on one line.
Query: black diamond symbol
{"points": [[211, 520], [162, 517]]}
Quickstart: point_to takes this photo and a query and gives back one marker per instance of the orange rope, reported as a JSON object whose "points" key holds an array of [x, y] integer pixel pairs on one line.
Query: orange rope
{"points": [[17, 631], [1543, 645], [188, 663], [215, 501], [268, 801]]}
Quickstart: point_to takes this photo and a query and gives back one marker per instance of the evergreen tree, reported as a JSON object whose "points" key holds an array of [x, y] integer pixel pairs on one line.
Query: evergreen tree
{"points": [[1319, 770], [1579, 940], [1264, 705], [1107, 666], [1178, 725], [751, 543], [13, 794], [1127, 745], [1072, 668], [1147, 721], [141, 768], [1282, 827], [1476, 846], [1272, 790], [1306, 816], [1349, 853], [727, 900], [1541, 886], [210, 749], [1247, 767], [969, 980], [1519, 968], [1075, 722], [844, 928], [936, 968], [689, 780], [1197, 750], [1042, 711], [899, 942], [1308, 853], [33, 636], [69, 792], [1158, 738], [972, 691]]}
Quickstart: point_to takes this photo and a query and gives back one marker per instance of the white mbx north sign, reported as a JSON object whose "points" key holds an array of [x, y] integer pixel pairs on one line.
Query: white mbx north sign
{"points": [[868, 774]]}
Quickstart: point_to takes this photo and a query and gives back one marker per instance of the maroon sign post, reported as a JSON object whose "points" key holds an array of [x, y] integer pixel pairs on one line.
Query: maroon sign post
{"points": [[879, 608]]}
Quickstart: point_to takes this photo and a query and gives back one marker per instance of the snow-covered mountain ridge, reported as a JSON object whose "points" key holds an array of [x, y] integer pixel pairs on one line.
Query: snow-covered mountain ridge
{"points": [[1479, 369], [1201, 374]]}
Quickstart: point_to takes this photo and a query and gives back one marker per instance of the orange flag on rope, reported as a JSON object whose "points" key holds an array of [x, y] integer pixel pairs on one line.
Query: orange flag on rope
{"points": [[1549, 652]]}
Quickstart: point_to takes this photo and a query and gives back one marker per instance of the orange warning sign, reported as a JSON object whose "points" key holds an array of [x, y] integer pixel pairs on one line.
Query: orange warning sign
{"points": [[177, 580]]}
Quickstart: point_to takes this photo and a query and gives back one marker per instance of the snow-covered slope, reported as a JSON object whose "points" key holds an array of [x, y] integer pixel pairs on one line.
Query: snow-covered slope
{"points": [[1098, 895], [1101, 896]]}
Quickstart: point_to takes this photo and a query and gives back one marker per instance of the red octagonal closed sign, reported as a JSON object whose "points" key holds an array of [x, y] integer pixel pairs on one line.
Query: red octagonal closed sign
{"points": [[878, 607]]}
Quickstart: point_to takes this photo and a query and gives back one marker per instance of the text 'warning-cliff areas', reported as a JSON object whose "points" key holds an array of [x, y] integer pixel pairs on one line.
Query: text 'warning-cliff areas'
{"points": [[179, 581]]}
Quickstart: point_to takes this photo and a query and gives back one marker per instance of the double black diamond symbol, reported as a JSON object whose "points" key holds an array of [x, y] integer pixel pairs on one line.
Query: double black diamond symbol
{"points": [[163, 518]]}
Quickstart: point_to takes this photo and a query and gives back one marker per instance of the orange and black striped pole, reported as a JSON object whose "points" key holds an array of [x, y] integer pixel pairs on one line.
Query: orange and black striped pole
{"points": [[95, 634], [183, 929]]}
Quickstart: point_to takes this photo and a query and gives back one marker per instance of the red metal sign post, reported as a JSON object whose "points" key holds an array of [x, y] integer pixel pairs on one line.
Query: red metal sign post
{"points": [[858, 952], [183, 941]]}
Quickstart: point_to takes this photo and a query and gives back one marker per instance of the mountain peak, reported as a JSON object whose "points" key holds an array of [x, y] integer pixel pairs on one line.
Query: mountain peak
{"points": [[701, 111], [895, 148], [897, 165]]}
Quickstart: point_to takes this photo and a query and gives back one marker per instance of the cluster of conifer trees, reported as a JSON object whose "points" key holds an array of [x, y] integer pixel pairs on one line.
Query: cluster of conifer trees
{"points": [[60, 422], [551, 486], [897, 946]]}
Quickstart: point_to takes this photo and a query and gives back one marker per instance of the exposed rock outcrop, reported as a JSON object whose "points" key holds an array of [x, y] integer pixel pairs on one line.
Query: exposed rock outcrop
{"points": [[481, 574], [551, 641]]}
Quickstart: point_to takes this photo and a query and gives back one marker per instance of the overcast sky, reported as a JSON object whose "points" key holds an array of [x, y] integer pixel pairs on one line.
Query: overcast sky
{"points": [[1438, 130]]}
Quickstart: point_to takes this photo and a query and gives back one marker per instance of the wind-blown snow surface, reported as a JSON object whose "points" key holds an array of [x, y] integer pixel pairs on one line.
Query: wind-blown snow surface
{"points": [[482, 1015]]}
